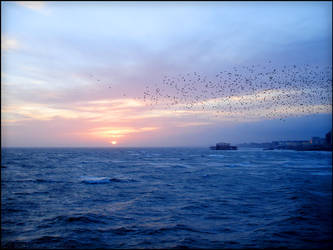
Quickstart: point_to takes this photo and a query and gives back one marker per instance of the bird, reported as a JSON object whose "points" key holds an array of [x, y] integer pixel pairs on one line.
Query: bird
{"points": [[259, 90], [278, 92]]}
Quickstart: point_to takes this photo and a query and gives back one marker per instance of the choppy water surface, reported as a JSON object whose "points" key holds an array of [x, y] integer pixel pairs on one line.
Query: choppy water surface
{"points": [[165, 198]]}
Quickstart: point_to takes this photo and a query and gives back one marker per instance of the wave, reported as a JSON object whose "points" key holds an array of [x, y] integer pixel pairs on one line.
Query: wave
{"points": [[173, 228], [34, 181], [47, 181], [165, 202], [118, 161], [48, 239], [31, 193], [212, 155], [321, 173], [79, 218], [104, 179], [118, 230], [84, 219], [96, 180], [133, 154], [12, 210]]}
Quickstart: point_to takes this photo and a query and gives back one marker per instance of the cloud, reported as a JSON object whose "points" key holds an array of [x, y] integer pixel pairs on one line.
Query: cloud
{"points": [[9, 43], [190, 124], [266, 104], [34, 5]]}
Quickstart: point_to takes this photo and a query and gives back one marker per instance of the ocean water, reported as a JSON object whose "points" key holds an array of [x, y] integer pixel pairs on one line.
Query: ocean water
{"points": [[165, 198]]}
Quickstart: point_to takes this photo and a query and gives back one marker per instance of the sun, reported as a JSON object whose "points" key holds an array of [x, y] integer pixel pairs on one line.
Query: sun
{"points": [[114, 142]]}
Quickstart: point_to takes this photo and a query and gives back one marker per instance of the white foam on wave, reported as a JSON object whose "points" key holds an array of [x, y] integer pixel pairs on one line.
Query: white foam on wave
{"points": [[216, 155], [95, 180]]}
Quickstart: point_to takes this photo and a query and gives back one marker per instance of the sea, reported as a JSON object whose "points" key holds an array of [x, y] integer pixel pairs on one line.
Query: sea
{"points": [[125, 198]]}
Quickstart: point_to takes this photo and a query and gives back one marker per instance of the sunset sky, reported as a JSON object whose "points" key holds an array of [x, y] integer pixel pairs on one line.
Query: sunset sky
{"points": [[74, 74]]}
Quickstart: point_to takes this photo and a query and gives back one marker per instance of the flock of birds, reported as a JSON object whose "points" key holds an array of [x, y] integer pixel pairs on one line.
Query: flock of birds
{"points": [[257, 91]]}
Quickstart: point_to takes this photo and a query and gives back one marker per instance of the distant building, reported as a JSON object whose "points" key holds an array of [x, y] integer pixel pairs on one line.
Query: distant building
{"points": [[223, 146], [289, 143], [315, 144], [255, 145], [317, 141]]}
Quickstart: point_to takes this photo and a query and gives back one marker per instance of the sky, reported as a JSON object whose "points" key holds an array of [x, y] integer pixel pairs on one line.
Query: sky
{"points": [[76, 74]]}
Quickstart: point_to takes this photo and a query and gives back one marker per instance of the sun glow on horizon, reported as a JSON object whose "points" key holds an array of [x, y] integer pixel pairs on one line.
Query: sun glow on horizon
{"points": [[113, 142], [116, 132]]}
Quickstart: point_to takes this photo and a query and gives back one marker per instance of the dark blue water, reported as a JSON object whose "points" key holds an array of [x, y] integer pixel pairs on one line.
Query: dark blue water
{"points": [[165, 198]]}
